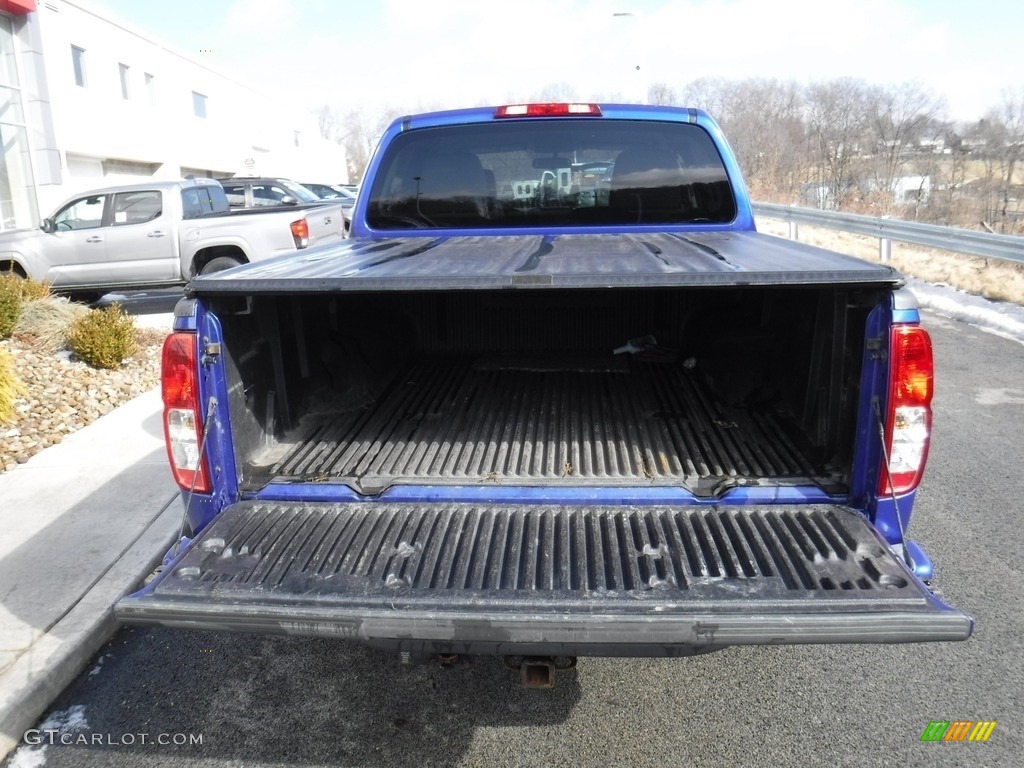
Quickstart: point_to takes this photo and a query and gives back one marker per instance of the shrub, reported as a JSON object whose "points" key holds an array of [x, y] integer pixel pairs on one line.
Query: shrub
{"points": [[104, 337], [45, 323], [10, 303], [33, 289], [10, 385]]}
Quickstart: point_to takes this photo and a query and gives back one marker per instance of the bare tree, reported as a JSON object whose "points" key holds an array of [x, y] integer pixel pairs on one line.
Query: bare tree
{"points": [[356, 135], [555, 92], [329, 122], [357, 130], [711, 94], [997, 141], [899, 116], [1008, 150], [946, 165], [838, 122], [983, 141], [764, 122], [661, 94]]}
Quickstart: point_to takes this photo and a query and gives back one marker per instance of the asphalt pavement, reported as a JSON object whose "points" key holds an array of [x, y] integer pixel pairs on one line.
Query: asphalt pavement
{"points": [[156, 301]]}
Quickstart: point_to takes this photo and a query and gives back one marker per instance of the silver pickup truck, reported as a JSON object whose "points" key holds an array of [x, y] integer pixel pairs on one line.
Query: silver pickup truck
{"points": [[158, 233]]}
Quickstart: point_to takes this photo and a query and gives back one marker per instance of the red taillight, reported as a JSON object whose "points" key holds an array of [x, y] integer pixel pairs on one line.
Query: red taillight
{"points": [[549, 110], [300, 231], [908, 420], [183, 425]]}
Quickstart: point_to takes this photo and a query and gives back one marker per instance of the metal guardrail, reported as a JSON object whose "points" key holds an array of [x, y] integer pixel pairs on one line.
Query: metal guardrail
{"points": [[1004, 247]]}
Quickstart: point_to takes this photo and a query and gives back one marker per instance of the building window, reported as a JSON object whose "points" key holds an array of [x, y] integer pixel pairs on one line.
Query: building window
{"points": [[118, 167], [296, 138], [198, 104], [125, 90], [150, 87], [78, 60]]}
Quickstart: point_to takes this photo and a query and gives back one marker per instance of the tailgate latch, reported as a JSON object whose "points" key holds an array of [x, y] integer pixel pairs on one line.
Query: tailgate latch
{"points": [[211, 350]]}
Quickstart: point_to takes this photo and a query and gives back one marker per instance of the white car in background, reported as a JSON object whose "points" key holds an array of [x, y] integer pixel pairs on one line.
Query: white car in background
{"points": [[158, 233]]}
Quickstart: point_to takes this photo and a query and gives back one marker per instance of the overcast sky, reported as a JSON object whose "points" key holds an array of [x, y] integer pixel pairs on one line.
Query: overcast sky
{"points": [[414, 54]]}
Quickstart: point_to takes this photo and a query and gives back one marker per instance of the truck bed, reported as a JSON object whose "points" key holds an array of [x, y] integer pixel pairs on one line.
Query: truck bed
{"points": [[518, 421], [697, 388]]}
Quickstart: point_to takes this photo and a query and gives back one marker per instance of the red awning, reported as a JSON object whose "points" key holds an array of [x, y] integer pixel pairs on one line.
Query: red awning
{"points": [[17, 7]]}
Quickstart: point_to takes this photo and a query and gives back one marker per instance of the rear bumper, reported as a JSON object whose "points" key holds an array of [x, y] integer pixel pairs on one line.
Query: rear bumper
{"points": [[546, 580], [598, 635]]}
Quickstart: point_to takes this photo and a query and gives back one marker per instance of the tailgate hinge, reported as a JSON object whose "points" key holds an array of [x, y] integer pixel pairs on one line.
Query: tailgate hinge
{"points": [[876, 348]]}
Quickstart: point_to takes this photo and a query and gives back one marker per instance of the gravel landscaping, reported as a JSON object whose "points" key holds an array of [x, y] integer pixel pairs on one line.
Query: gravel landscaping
{"points": [[64, 394]]}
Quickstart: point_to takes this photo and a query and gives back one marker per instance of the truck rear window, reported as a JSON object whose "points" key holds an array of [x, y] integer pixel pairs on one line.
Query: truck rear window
{"points": [[551, 173], [203, 200]]}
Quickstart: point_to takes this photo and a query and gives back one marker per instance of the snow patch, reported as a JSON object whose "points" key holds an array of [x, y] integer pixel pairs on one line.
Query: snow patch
{"points": [[28, 757], [161, 322], [999, 397], [70, 719], [99, 665], [998, 317], [64, 721]]}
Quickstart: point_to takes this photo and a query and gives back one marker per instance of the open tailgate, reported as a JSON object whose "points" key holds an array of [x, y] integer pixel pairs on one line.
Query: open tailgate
{"points": [[507, 578]]}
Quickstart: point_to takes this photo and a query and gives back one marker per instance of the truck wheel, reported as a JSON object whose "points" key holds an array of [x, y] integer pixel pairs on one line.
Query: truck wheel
{"points": [[219, 264], [86, 297]]}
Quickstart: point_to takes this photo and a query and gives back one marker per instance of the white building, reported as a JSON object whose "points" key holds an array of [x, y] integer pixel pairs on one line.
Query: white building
{"points": [[87, 100], [909, 189]]}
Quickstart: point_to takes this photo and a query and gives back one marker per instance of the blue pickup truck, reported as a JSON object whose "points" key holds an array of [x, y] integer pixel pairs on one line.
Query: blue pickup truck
{"points": [[555, 396]]}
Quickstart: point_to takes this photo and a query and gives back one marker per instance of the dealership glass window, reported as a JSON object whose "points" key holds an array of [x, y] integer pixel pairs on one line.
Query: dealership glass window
{"points": [[8, 64], [17, 189], [198, 104], [10, 107], [17, 196], [125, 71], [78, 62]]}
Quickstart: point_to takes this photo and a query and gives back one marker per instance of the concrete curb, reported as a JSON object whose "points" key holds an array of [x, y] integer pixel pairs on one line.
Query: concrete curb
{"points": [[30, 685]]}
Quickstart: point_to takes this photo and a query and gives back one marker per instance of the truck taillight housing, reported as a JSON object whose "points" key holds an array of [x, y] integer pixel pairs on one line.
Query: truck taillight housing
{"points": [[183, 425], [300, 231], [908, 422], [548, 109]]}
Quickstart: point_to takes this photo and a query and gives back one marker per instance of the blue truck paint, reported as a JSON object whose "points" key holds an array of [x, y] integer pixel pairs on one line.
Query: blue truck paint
{"points": [[422, 261], [534, 495]]}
